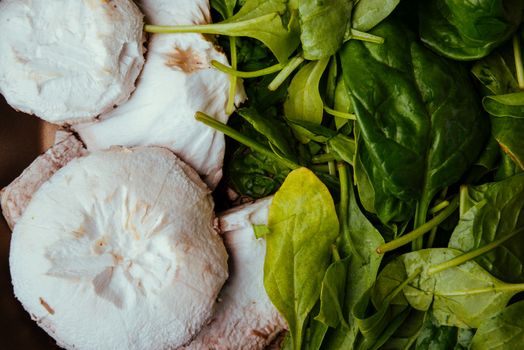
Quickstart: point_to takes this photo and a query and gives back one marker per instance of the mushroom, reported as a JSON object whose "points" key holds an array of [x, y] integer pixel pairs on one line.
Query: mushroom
{"points": [[177, 81], [118, 249], [245, 317], [15, 197], [73, 67]]}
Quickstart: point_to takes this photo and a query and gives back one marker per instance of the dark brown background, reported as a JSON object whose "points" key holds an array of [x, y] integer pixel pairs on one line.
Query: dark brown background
{"points": [[22, 138]]}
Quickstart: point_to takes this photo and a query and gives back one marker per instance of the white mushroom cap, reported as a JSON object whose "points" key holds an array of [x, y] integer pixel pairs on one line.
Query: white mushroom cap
{"points": [[177, 81], [118, 250], [69, 60], [245, 317]]}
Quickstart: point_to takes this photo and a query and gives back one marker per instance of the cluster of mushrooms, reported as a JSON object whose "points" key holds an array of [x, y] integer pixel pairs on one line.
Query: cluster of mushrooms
{"points": [[115, 242]]}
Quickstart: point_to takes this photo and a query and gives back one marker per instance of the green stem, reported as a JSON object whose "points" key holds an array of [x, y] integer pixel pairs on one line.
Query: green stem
{"points": [[214, 28], [334, 251], [518, 61], [332, 168], [421, 230], [472, 254], [442, 205], [323, 158], [215, 124], [421, 214], [290, 66], [344, 207], [322, 168], [363, 36], [400, 287], [507, 287], [253, 74], [230, 107], [339, 114]]}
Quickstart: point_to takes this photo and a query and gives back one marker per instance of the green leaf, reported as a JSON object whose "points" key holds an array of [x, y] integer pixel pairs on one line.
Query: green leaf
{"points": [[497, 213], [460, 296], [495, 75], [332, 294], [419, 121], [505, 331], [303, 226], [317, 332], [304, 102], [380, 325], [342, 103], [260, 230], [368, 13], [468, 30], [224, 7], [253, 174], [258, 19], [507, 123], [273, 129], [435, 337], [323, 25], [358, 242]]}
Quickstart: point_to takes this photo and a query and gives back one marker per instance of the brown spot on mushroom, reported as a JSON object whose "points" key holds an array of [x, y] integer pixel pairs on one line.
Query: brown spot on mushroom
{"points": [[260, 334], [185, 60], [46, 306]]}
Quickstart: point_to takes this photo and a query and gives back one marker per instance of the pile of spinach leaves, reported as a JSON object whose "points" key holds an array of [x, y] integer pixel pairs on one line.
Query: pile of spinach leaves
{"points": [[392, 135]]}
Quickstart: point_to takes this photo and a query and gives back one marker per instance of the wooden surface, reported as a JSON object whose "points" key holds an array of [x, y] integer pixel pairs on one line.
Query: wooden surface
{"points": [[22, 138]]}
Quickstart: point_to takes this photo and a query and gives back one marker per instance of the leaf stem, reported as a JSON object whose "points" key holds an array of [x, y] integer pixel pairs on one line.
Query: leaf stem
{"points": [[472, 254], [254, 145], [230, 107], [440, 206], [363, 36], [421, 230], [519, 67], [339, 114], [323, 158], [253, 74], [290, 66], [213, 28]]}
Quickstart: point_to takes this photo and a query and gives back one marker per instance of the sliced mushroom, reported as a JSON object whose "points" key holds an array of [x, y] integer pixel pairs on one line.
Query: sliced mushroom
{"points": [[68, 61], [118, 250], [245, 317], [177, 81], [15, 197]]}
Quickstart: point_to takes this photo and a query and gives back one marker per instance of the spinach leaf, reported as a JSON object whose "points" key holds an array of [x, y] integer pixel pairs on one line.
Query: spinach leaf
{"points": [[332, 294], [304, 102], [435, 337], [497, 213], [507, 168], [273, 129], [459, 296], [486, 163], [303, 226], [495, 75], [468, 30], [358, 241], [259, 19], [503, 331], [224, 7], [342, 103], [507, 123], [369, 13], [419, 120], [323, 25], [381, 324], [253, 174]]}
